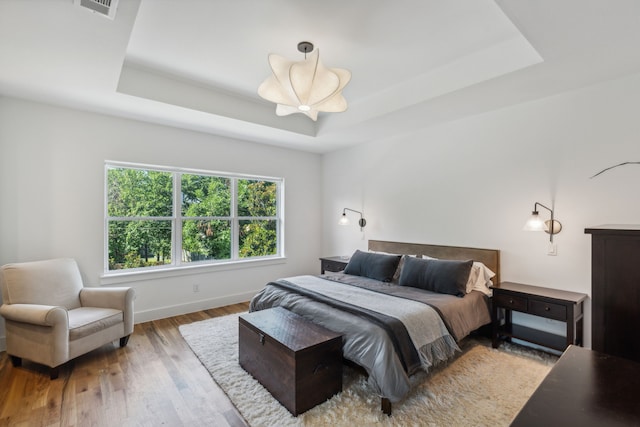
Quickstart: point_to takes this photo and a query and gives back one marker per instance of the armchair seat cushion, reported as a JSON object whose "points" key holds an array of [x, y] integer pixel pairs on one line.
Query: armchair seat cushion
{"points": [[85, 321]]}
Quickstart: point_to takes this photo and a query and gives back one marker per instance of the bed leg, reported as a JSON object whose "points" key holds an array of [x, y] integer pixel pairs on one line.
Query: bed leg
{"points": [[385, 405]]}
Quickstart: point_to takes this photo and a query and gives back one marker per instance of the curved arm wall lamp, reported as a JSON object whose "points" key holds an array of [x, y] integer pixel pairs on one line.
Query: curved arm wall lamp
{"points": [[345, 221], [535, 223]]}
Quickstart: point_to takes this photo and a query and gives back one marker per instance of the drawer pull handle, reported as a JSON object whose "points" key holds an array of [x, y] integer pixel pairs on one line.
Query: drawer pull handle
{"points": [[547, 308], [510, 301], [261, 338]]}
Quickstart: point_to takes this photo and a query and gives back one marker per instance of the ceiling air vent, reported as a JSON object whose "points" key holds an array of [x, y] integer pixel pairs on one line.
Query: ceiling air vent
{"points": [[103, 7]]}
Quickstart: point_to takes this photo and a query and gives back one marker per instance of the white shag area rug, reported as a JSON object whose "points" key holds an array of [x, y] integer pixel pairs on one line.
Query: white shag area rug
{"points": [[481, 387]]}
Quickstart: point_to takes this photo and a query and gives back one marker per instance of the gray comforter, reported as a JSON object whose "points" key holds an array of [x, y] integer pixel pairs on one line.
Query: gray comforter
{"points": [[330, 301]]}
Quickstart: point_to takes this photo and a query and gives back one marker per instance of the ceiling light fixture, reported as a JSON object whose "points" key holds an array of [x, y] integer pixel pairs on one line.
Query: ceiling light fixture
{"points": [[305, 87]]}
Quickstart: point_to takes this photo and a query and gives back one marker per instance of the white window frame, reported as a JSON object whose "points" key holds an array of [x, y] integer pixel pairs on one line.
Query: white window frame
{"points": [[177, 219]]}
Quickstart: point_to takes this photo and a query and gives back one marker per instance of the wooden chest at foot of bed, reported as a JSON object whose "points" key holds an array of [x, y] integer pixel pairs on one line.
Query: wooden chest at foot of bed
{"points": [[299, 362]]}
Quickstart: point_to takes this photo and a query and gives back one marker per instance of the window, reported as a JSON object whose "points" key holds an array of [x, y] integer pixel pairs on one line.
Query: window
{"points": [[159, 217]]}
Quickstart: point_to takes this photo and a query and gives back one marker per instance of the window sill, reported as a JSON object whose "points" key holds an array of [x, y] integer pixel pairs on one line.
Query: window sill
{"points": [[135, 276]]}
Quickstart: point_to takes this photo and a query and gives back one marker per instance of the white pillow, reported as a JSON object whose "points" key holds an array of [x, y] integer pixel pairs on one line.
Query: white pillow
{"points": [[480, 278]]}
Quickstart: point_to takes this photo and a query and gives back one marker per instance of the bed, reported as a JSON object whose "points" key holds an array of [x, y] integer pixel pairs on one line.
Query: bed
{"points": [[395, 319]]}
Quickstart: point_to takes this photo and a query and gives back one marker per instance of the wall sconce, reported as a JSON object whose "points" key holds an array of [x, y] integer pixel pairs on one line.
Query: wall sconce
{"points": [[345, 221], [535, 223]]}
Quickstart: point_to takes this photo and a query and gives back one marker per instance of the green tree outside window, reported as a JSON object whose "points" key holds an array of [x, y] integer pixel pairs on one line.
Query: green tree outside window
{"points": [[219, 218]]}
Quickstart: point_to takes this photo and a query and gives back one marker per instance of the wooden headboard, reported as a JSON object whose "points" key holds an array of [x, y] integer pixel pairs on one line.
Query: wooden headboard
{"points": [[489, 257]]}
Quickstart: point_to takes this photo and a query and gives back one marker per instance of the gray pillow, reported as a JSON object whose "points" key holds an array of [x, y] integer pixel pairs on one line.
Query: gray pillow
{"points": [[374, 266], [436, 275]]}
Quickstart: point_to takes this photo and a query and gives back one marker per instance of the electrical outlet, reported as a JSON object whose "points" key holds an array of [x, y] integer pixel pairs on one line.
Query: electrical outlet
{"points": [[196, 288], [553, 249]]}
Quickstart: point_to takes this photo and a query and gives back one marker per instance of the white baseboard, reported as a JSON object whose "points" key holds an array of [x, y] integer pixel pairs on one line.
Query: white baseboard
{"points": [[176, 310]]}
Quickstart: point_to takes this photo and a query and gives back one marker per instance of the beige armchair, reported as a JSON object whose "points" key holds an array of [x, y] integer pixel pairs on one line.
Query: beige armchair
{"points": [[51, 318]]}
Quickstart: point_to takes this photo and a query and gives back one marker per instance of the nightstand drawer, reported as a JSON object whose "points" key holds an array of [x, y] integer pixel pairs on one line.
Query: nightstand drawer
{"points": [[548, 310], [334, 265], [511, 302]]}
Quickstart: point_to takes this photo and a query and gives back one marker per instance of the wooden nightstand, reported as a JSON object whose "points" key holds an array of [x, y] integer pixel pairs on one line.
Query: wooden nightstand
{"points": [[333, 263], [548, 303]]}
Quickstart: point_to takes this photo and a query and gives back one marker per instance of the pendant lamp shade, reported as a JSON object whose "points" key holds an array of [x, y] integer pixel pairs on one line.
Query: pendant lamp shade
{"points": [[306, 87]]}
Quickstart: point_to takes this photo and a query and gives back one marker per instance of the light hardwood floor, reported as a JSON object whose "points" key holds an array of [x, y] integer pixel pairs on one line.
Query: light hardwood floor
{"points": [[156, 380]]}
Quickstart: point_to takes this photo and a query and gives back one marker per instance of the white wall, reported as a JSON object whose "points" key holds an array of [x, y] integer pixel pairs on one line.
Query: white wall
{"points": [[474, 182], [471, 182], [52, 192]]}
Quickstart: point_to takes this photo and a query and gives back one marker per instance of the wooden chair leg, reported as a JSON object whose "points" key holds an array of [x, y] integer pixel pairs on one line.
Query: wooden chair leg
{"points": [[54, 372], [16, 361], [124, 341], [385, 405]]}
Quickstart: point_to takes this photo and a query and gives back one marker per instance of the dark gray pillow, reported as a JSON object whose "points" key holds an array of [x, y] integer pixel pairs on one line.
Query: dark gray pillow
{"points": [[374, 266], [436, 275]]}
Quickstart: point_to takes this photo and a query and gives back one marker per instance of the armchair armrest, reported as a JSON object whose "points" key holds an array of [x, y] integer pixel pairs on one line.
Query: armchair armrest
{"points": [[44, 315], [116, 298]]}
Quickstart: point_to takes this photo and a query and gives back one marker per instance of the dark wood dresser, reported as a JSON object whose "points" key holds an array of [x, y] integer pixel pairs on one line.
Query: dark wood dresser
{"points": [[299, 362], [615, 289], [585, 388]]}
